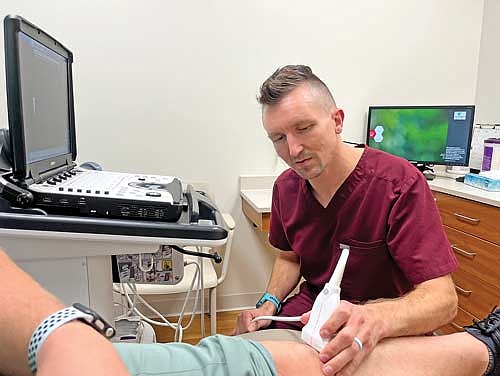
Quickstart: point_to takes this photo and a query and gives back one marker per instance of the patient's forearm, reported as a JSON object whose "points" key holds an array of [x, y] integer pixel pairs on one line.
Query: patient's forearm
{"points": [[25, 304], [76, 348]]}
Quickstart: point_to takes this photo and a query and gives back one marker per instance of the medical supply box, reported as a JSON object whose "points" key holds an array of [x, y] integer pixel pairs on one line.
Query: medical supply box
{"points": [[487, 180]]}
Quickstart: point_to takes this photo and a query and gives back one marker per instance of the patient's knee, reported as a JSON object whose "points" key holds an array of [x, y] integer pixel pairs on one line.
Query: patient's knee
{"points": [[293, 358]]}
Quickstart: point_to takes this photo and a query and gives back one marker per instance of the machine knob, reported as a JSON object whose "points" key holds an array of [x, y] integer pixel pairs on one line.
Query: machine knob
{"points": [[24, 199]]}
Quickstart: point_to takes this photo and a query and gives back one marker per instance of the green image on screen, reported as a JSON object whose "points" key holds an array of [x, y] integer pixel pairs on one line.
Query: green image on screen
{"points": [[414, 134]]}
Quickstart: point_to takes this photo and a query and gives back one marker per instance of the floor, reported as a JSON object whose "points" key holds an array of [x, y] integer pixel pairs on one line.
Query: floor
{"points": [[225, 325]]}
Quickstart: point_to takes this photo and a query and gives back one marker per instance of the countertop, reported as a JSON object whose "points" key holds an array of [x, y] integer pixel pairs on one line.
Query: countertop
{"points": [[257, 191]]}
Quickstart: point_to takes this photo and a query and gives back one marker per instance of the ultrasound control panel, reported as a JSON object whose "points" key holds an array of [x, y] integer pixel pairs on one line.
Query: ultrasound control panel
{"points": [[106, 184]]}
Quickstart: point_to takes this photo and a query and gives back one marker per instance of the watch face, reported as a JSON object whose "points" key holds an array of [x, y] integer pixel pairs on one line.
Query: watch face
{"points": [[96, 321], [84, 309]]}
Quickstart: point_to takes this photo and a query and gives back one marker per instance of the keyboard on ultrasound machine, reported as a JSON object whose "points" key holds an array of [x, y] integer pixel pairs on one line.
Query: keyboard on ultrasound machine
{"points": [[113, 194]]}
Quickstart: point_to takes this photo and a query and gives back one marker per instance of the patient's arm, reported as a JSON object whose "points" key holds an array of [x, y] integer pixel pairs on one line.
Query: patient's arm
{"points": [[72, 349]]}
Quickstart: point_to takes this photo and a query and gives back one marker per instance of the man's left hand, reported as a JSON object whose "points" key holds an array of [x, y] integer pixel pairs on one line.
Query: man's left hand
{"points": [[343, 354]]}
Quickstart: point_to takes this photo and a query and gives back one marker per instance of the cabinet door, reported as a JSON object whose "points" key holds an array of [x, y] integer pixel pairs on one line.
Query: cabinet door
{"points": [[474, 295], [476, 256]]}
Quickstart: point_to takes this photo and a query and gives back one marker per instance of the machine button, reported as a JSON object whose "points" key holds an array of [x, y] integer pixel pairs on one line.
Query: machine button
{"points": [[61, 188], [51, 182], [89, 191], [153, 194], [106, 192], [97, 192], [70, 189]]}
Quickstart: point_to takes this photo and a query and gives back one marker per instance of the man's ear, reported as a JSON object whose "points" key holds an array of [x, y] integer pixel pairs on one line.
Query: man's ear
{"points": [[338, 119]]}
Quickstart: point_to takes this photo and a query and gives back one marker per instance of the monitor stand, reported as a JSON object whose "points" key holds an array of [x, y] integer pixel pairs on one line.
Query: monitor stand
{"points": [[426, 169], [423, 166], [457, 170]]}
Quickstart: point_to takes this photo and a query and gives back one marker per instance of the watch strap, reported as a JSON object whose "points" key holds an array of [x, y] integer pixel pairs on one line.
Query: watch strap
{"points": [[59, 318], [271, 298]]}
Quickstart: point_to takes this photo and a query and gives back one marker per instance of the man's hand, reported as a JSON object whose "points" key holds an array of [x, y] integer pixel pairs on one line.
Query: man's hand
{"points": [[244, 322], [342, 356]]}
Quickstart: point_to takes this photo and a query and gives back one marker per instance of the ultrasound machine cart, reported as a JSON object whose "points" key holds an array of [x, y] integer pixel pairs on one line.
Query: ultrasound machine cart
{"points": [[42, 226], [71, 256]]}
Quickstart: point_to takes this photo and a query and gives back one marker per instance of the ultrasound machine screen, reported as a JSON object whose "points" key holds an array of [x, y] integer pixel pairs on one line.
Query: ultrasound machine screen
{"points": [[44, 82], [39, 99]]}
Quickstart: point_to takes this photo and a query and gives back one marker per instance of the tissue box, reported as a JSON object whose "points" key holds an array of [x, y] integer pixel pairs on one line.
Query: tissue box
{"points": [[489, 182]]}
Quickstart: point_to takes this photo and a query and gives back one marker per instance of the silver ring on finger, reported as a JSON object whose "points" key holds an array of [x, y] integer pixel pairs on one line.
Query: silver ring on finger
{"points": [[358, 343]]}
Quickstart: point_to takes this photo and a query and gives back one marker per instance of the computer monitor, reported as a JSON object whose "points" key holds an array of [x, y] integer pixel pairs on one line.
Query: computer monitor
{"points": [[39, 99], [425, 135]]}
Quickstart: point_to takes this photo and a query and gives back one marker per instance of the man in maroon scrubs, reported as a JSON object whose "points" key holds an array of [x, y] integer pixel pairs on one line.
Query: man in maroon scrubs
{"points": [[397, 280]]}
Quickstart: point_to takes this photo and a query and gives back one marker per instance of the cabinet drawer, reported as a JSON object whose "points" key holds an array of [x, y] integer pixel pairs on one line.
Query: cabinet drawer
{"points": [[457, 324], [476, 256], [474, 295], [468, 216]]}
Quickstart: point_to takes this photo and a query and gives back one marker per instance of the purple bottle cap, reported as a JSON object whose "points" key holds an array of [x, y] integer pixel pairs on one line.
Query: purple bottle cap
{"points": [[492, 140]]}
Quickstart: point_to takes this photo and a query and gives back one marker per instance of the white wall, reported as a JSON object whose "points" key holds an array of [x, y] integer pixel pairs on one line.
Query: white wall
{"points": [[488, 82], [169, 86]]}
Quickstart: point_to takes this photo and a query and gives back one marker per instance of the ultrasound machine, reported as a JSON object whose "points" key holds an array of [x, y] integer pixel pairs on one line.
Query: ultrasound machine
{"points": [[43, 141], [52, 209]]}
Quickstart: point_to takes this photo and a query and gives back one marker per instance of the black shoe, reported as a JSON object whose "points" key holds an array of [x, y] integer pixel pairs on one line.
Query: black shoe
{"points": [[488, 332]]}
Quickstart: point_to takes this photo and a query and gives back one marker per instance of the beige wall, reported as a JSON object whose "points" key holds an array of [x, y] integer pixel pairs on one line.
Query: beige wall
{"points": [[488, 82], [169, 86]]}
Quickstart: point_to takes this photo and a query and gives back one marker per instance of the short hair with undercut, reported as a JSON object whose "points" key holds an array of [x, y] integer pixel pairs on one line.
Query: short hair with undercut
{"points": [[284, 80]]}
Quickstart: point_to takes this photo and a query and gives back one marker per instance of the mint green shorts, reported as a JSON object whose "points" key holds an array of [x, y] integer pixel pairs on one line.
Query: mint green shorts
{"points": [[215, 355]]}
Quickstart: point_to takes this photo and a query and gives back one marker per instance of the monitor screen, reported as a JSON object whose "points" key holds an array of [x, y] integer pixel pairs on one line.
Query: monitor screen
{"points": [[44, 83], [39, 100], [439, 135]]}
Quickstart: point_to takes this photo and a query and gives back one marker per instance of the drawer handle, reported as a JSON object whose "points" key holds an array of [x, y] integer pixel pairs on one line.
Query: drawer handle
{"points": [[456, 326], [463, 252], [464, 218], [463, 292]]}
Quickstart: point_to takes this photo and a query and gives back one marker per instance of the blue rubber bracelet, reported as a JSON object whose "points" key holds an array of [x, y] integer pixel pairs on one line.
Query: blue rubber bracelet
{"points": [[271, 298]]}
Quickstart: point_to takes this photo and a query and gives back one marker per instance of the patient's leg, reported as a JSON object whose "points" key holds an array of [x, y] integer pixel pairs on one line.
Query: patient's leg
{"points": [[454, 355]]}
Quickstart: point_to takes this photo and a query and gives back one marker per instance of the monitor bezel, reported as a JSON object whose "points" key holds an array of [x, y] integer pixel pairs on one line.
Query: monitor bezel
{"points": [[21, 169], [398, 107]]}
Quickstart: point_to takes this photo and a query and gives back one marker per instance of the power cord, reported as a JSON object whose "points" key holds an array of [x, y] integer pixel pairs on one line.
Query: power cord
{"points": [[215, 256], [179, 329]]}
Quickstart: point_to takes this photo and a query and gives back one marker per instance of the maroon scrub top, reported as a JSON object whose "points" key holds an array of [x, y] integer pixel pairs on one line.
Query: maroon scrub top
{"points": [[387, 215]]}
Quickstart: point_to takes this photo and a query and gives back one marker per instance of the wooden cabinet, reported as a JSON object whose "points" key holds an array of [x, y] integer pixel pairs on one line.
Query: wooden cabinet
{"points": [[259, 220], [473, 230]]}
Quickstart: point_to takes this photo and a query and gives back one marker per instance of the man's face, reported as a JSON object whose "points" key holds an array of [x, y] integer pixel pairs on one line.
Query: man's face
{"points": [[304, 131]]}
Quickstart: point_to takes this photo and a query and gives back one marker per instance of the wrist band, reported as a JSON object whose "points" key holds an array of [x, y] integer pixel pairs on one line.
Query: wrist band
{"points": [[47, 326], [269, 297], [59, 318]]}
